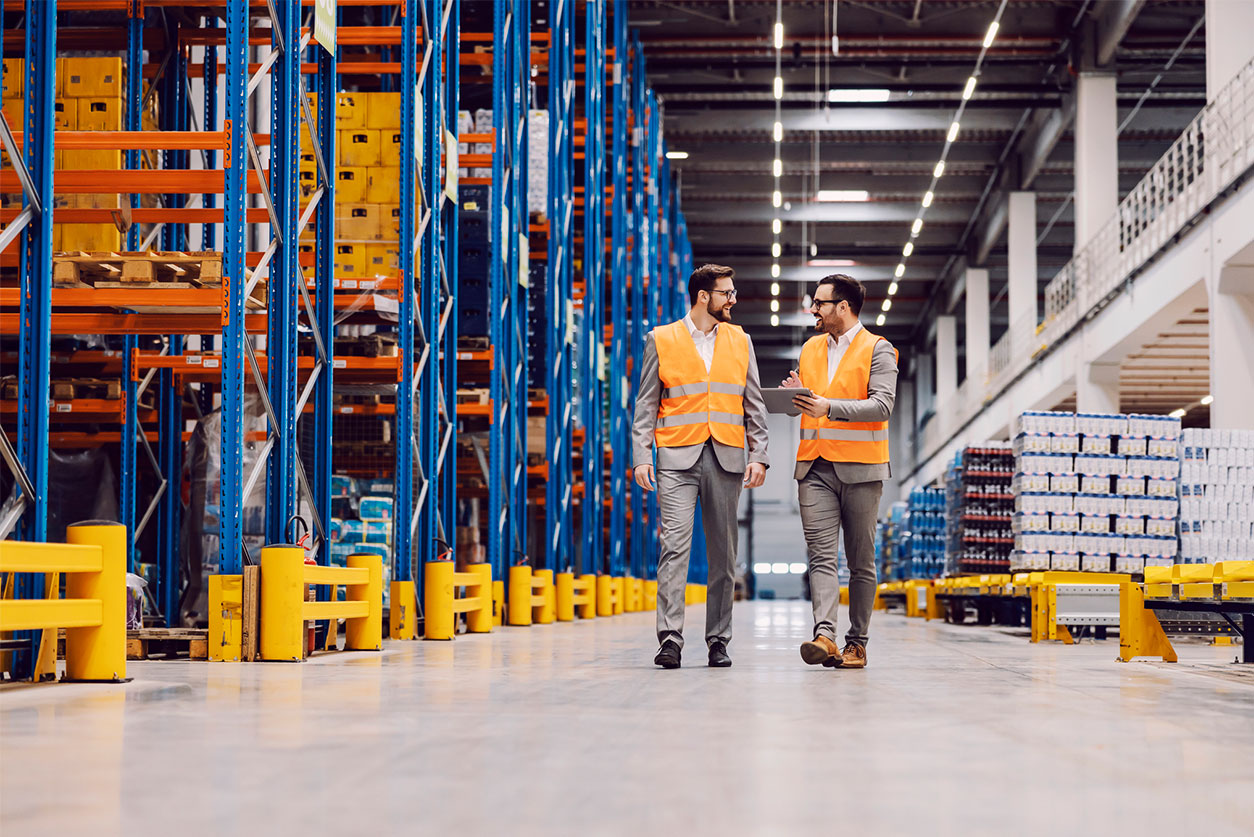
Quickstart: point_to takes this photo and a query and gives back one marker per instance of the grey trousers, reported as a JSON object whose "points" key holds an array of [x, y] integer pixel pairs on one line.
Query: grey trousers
{"points": [[827, 504], [719, 494]]}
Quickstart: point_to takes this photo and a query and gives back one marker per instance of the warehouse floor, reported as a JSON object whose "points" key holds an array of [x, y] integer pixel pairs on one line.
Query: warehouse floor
{"points": [[568, 729]]}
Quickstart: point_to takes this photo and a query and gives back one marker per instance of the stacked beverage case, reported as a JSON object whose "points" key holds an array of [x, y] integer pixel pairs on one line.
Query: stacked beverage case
{"points": [[1095, 492], [978, 510], [1217, 496]]}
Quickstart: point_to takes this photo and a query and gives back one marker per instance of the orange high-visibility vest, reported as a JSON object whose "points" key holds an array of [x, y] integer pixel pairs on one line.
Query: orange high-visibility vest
{"points": [[841, 441], [697, 404]]}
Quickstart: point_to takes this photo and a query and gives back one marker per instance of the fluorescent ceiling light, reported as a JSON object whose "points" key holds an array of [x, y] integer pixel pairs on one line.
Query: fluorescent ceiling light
{"points": [[779, 88], [774, 289], [831, 263], [832, 195], [992, 33], [901, 268], [774, 305], [858, 95], [677, 155], [1207, 400], [775, 251], [775, 271], [779, 568], [1177, 413], [762, 568], [776, 199], [940, 168], [776, 226], [966, 91], [887, 304], [908, 249], [797, 568], [775, 319], [916, 226], [778, 131], [777, 167], [779, 35], [879, 321], [953, 133], [927, 199], [892, 288]]}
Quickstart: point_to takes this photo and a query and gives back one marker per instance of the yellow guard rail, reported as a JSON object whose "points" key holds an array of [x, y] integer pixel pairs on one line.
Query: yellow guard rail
{"points": [[284, 611]]}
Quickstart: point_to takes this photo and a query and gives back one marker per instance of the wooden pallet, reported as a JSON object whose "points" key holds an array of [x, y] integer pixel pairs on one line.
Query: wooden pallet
{"points": [[168, 270], [64, 389], [373, 345], [167, 643]]}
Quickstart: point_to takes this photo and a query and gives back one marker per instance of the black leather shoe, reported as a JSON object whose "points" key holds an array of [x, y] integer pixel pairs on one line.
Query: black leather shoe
{"points": [[668, 655], [718, 655]]}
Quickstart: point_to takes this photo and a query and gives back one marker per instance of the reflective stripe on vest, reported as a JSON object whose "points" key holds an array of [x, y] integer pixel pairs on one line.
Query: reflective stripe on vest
{"points": [[695, 404], [841, 441]]}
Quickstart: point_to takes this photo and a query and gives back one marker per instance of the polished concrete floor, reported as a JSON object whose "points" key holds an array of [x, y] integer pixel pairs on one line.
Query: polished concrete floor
{"points": [[568, 729]]}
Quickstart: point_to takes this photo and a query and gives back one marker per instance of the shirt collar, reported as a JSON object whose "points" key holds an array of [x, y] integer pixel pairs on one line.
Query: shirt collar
{"points": [[698, 334], [846, 338]]}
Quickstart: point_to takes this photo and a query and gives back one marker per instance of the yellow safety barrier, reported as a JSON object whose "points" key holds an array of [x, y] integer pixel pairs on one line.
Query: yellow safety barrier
{"points": [[607, 590], [650, 595], [575, 595], [442, 602], [1043, 588], [695, 594], [93, 611], [1140, 633], [226, 618], [532, 596], [634, 595], [284, 611], [403, 610]]}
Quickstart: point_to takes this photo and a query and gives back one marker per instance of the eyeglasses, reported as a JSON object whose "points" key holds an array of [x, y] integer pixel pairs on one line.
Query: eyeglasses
{"points": [[729, 294], [819, 303]]}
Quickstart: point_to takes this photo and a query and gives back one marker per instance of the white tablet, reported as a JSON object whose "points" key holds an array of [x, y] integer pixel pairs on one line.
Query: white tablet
{"points": [[779, 399]]}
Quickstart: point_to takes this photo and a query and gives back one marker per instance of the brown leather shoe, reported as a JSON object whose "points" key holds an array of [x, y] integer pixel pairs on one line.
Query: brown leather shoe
{"points": [[854, 655], [820, 650]]}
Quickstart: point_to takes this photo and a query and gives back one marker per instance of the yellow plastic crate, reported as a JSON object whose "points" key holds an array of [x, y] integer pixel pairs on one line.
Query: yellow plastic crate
{"points": [[383, 111], [358, 222], [352, 185], [90, 237], [14, 77], [359, 148], [91, 160], [350, 112], [87, 78], [382, 259], [100, 114], [66, 114], [350, 260], [390, 148], [384, 185]]}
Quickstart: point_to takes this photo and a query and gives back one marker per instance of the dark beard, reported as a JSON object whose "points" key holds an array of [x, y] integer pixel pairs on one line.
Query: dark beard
{"points": [[717, 313]]}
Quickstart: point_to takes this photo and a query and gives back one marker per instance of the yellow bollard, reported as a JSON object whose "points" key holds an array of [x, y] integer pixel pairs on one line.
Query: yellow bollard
{"points": [[479, 620], [226, 618], [690, 594], [564, 597], [650, 595], [605, 595], [620, 594], [366, 634], [629, 595], [546, 612], [438, 600], [520, 595], [402, 610], [588, 610], [498, 602], [99, 653], [282, 599]]}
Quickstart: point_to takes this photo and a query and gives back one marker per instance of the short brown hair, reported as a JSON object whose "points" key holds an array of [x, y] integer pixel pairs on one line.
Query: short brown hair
{"points": [[704, 277], [846, 288]]}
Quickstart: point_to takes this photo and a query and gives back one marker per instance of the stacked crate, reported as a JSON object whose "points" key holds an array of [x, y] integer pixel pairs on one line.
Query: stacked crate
{"points": [[924, 537], [474, 249], [1217, 496], [1095, 492], [979, 510]]}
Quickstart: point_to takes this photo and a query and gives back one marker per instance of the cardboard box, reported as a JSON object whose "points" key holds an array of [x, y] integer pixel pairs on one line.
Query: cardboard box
{"points": [[87, 78], [350, 260], [66, 111], [357, 222], [100, 114], [390, 148], [359, 148], [384, 186], [351, 185], [383, 111], [350, 112]]}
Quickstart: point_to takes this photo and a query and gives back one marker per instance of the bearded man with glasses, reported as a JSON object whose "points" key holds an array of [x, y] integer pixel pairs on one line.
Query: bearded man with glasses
{"points": [[842, 462]]}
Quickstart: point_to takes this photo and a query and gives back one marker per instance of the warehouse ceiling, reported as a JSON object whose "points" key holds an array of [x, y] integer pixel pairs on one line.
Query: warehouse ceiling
{"points": [[713, 64]]}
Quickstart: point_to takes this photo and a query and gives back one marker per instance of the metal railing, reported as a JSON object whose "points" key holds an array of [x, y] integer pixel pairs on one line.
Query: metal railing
{"points": [[1212, 152]]}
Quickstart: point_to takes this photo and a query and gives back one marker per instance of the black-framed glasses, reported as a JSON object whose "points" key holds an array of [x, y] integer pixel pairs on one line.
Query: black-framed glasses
{"points": [[819, 303], [729, 294]]}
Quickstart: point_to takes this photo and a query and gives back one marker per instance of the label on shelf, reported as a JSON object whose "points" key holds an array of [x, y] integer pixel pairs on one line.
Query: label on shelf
{"points": [[339, 363]]}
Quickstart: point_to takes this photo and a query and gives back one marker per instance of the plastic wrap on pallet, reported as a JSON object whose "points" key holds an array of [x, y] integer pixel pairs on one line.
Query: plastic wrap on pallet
{"points": [[538, 162]]}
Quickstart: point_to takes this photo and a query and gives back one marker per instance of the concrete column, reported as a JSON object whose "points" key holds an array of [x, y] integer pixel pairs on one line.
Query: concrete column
{"points": [[977, 327], [1229, 46], [1231, 298], [946, 362], [1097, 388], [924, 394], [1096, 155], [1021, 257]]}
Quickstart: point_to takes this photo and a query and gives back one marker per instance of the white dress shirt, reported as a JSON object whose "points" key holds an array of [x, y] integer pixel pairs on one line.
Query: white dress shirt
{"points": [[836, 348], [705, 342]]}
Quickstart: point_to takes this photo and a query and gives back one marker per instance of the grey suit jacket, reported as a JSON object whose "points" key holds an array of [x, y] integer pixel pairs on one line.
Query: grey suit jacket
{"points": [[881, 392], [649, 398]]}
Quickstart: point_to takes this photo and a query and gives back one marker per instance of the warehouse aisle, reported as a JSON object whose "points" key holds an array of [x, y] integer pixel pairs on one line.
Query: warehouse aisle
{"points": [[567, 729]]}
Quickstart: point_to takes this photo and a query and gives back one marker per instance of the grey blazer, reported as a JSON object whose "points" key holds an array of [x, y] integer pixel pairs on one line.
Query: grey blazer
{"points": [[649, 398], [881, 392]]}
